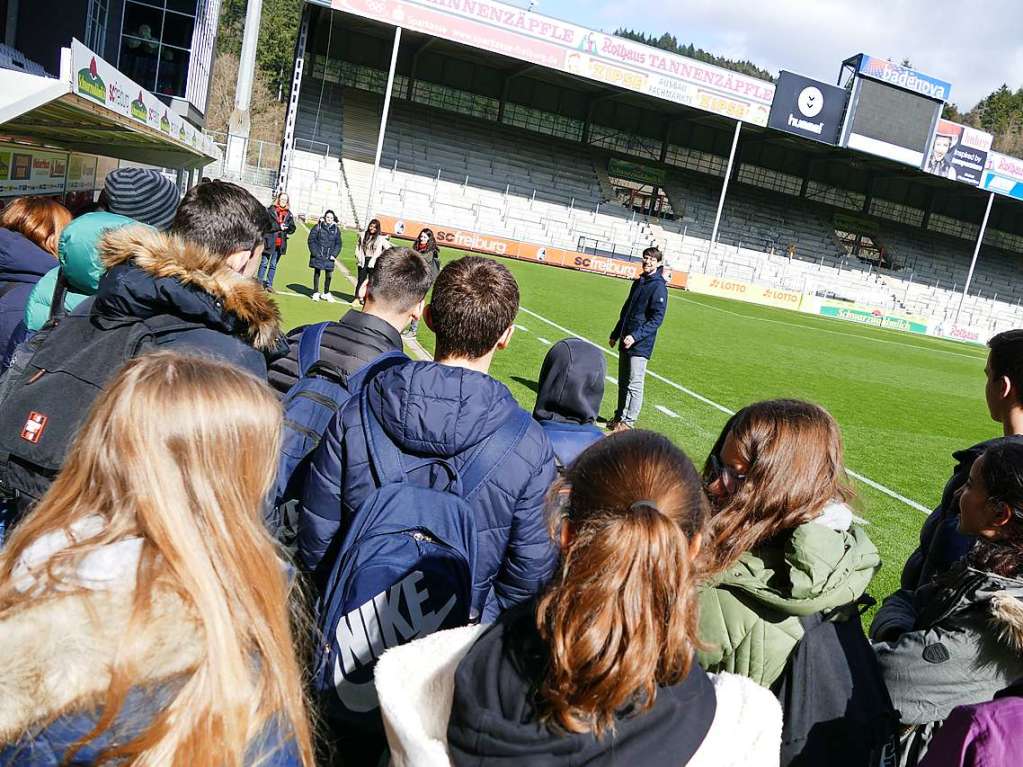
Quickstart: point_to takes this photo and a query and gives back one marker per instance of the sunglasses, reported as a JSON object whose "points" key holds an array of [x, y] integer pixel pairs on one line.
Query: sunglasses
{"points": [[730, 478]]}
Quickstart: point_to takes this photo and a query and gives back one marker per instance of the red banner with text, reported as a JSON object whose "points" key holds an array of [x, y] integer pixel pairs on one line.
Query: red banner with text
{"points": [[464, 239]]}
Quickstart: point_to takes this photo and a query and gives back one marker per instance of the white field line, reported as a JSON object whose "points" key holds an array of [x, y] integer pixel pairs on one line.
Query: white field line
{"points": [[865, 480], [666, 411], [523, 328], [612, 379], [543, 340], [826, 330]]}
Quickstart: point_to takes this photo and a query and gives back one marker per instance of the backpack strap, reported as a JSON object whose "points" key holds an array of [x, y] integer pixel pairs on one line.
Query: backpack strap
{"points": [[309, 347], [384, 456], [494, 451]]}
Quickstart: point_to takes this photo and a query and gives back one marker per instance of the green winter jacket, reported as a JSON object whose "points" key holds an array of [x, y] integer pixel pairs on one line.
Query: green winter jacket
{"points": [[80, 260], [749, 615]]}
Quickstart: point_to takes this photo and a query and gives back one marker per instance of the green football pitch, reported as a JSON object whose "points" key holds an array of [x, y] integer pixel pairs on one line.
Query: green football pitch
{"points": [[904, 402]]}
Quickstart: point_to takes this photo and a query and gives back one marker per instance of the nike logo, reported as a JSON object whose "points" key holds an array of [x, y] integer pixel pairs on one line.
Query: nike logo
{"points": [[366, 632]]}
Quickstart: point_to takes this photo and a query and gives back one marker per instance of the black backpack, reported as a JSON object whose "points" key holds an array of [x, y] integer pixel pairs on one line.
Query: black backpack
{"points": [[47, 394], [836, 707]]}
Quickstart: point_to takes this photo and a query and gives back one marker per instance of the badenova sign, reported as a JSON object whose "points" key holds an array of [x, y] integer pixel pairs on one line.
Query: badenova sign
{"points": [[548, 42], [808, 108]]}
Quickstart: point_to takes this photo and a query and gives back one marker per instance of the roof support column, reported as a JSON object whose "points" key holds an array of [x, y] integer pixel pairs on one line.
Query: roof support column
{"points": [[724, 184], [868, 198], [238, 127], [976, 252], [383, 122]]}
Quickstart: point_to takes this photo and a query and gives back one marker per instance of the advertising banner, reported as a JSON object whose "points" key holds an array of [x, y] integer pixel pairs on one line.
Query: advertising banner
{"points": [[958, 152], [904, 77], [408, 229], [81, 175], [962, 333], [94, 79], [867, 315], [724, 287], [1003, 175], [808, 108], [31, 171], [635, 171], [530, 36]]}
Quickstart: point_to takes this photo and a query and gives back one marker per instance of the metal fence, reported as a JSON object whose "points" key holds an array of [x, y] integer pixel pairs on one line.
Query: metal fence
{"points": [[262, 161]]}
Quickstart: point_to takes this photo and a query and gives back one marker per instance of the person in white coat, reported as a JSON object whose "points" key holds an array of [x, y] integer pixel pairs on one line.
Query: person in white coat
{"points": [[367, 250], [600, 669]]}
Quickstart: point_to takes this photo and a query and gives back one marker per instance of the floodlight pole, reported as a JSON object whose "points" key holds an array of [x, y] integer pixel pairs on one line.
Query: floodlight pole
{"points": [[724, 186], [383, 123], [976, 252]]}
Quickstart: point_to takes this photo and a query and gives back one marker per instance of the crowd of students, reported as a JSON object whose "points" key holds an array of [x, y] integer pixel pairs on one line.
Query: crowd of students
{"points": [[229, 545]]}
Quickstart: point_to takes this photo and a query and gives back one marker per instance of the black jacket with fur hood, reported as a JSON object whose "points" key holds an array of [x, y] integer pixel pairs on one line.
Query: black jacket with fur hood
{"points": [[151, 274]]}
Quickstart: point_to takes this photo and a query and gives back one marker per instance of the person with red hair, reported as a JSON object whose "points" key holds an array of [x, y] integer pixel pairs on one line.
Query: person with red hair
{"points": [[30, 229]]}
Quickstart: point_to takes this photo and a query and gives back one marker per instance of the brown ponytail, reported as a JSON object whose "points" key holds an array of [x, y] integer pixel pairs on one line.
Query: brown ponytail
{"points": [[620, 617]]}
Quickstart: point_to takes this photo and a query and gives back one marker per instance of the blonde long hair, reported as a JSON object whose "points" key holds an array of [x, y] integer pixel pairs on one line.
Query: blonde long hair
{"points": [[180, 452]]}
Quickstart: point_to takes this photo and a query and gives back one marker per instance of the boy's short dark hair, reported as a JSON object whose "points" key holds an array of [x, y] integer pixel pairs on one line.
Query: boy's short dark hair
{"points": [[400, 279], [654, 252], [1006, 358], [223, 217], [474, 301]]}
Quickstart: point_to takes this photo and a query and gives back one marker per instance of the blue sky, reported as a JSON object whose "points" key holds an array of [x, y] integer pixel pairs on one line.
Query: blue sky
{"points": [[976, 46]]}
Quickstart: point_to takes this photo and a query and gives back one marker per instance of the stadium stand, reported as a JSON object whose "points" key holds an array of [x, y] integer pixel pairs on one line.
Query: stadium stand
{"points": [[527, 167]]}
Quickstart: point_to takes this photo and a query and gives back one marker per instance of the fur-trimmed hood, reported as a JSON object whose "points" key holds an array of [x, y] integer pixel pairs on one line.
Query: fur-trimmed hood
{"points": [[55, 656], [1007, 619], [151, 273]]}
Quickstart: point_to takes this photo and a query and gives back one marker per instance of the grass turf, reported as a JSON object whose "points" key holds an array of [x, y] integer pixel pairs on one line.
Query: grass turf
{"points": [[904, 402]]}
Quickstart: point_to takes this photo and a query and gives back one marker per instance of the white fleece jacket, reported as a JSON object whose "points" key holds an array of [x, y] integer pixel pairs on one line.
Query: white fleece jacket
{"points": [[415, 683]]}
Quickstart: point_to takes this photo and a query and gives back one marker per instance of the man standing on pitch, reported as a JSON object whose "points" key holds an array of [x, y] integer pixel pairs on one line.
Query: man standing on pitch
{"points": [[637, 326]]}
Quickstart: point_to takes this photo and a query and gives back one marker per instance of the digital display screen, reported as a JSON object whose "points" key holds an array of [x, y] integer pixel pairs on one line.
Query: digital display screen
{"points": [[894, 116]]}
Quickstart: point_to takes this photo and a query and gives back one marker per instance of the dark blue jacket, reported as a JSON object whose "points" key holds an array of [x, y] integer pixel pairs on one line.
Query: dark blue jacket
{"points": [[22, 265], [941, 543], [568, 440], [150, 275], [324, 246], [47, 746], [643, 314], [433, 410]]}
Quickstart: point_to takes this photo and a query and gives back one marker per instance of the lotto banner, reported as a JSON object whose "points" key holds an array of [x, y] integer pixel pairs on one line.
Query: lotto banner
{"points": [[530, 36], [462, 239], [743, 291]]}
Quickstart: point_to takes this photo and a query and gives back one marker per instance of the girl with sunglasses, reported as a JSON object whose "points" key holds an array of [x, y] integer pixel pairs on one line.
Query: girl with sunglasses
{"points": [[782, 541], [958, 640]]}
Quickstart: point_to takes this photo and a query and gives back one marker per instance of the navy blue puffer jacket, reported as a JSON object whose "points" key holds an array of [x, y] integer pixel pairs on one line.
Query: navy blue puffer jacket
{"points": [[22, 265], [643, 313], [433, 410], [152, 274]]}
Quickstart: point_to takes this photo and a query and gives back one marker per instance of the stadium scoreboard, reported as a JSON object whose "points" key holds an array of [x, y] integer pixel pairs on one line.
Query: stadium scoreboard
{"points": [[893, 109]]}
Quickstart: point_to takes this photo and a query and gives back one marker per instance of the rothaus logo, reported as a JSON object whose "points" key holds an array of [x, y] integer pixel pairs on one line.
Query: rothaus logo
{"points": [[364, 633]]}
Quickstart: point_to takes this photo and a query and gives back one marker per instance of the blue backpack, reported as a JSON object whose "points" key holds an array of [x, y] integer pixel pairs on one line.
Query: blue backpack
{"points": [[313, 401], [406, 566]]}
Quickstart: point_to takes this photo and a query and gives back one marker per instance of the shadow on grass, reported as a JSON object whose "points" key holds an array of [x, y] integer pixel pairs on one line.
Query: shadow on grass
{"points": [[305, 290], [529, 383]]}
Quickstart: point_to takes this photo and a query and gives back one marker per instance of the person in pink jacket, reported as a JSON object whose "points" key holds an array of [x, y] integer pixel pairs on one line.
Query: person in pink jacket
{"points": [[982, 735]]}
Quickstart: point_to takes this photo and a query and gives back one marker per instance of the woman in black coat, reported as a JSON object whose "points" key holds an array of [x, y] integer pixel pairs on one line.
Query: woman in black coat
{"points": [[426, 246], [324, 248]]}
